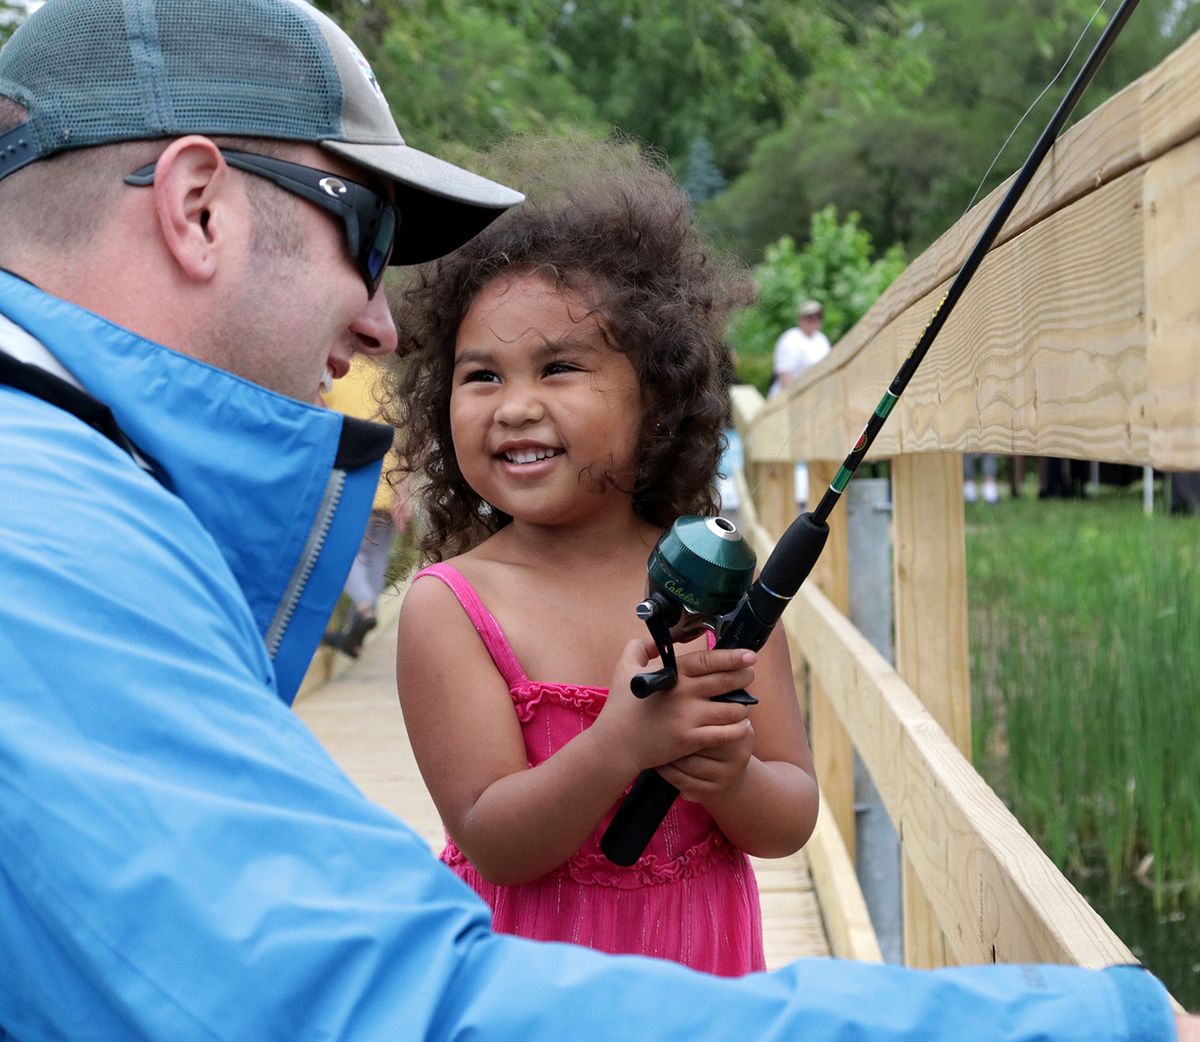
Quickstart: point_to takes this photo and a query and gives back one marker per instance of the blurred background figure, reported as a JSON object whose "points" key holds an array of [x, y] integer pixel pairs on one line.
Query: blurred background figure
{"points": [[391, 516], [797, 349], [974, 462]]}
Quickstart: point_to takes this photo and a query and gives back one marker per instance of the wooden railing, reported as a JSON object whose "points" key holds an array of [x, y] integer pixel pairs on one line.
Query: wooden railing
{"points": [[1078, 338]]}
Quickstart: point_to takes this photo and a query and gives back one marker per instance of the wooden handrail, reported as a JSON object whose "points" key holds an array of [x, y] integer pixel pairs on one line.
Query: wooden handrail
{"points": [[1079, 338]]}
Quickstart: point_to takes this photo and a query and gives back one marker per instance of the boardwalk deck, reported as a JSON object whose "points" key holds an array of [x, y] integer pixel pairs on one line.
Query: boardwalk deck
{"points": [[355, 715]]}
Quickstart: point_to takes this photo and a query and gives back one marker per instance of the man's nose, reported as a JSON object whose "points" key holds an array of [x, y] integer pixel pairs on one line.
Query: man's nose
{"points": [[374, 328]]}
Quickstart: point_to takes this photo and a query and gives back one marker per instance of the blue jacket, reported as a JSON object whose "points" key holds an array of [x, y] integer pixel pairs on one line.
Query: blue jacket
{"points": [[179, 858]]}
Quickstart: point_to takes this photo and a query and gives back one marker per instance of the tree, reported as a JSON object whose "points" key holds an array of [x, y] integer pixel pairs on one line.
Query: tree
{"points": [[463, 74], [12, 14], [837, 267], [911, 160]]}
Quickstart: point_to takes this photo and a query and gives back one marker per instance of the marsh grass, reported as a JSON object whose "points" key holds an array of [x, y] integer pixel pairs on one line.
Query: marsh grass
{"points": [[1085, 645]]}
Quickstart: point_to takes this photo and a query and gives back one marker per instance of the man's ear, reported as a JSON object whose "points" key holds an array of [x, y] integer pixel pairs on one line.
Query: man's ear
{"points": [[193, 203]]}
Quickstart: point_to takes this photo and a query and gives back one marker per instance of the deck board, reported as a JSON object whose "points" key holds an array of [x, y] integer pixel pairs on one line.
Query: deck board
{"points": [[356, 716]]}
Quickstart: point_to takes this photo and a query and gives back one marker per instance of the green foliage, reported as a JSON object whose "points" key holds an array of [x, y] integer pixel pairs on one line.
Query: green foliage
{"points": [[11, 15], [1084, 659], [910, 154], [836, 267], [464, 73]]}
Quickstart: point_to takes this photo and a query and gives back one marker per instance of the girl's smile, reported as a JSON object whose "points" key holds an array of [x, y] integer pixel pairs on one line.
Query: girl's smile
{"points": [[545, 413]]}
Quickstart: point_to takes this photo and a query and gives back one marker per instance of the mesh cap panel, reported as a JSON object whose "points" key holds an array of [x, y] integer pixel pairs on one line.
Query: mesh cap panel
{"points": [[91, 72], [178, 67]]}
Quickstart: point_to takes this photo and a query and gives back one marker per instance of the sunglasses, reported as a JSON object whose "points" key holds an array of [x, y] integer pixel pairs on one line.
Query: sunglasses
{"points": [[371, 221]]}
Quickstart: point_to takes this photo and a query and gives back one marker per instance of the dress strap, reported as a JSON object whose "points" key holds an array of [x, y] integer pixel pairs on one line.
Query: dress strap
{"points": [[483, 620]]}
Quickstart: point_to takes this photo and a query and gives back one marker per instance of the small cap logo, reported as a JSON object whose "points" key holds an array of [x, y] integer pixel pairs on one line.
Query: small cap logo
{"points": [[363, 64], [332, 186]]}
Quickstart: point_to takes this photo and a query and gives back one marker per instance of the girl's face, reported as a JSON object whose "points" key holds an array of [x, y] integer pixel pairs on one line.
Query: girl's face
{"points": [[541, 406]]}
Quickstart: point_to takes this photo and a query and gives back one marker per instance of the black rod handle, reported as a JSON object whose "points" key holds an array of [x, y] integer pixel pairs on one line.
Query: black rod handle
{"points": [[637, 819], [633, 826]]}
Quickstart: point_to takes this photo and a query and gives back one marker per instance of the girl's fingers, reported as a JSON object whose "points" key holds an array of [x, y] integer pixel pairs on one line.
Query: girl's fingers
{"points": [[715, 660]]}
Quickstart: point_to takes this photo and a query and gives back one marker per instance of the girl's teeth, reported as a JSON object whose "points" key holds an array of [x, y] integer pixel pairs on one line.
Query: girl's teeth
{"points": [[530, 455], [327, 382]]}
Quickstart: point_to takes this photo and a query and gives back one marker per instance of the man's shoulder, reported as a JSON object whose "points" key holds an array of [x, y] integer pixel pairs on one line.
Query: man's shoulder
{"points": [[88, 499]]}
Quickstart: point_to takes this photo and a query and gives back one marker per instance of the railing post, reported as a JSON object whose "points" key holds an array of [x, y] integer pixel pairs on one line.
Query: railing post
{"points": [[929, 562], [868, 524], [833, 752]]}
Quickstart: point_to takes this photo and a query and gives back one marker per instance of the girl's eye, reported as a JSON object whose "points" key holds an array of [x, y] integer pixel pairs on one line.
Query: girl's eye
{"points": [[554, 368], [480, 376]]}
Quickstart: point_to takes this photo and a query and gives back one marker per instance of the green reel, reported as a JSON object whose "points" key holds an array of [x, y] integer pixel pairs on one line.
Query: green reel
{"points": [[698, 572], [704, 563]]}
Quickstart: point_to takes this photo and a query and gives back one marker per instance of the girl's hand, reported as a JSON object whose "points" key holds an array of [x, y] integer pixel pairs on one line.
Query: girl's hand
{"points": [[710, 773], [676, 723]]}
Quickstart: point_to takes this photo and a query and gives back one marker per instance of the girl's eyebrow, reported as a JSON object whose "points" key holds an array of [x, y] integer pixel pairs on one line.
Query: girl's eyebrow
{"points": [[473, 357], [544, 352]]}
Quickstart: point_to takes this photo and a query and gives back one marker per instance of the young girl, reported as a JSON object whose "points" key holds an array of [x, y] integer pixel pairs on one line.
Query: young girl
{"points": [[563, 395]]}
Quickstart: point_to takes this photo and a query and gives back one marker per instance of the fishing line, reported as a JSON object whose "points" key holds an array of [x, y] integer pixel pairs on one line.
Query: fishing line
{"points": [[1045, 91], [974, 198], [798, 548]]}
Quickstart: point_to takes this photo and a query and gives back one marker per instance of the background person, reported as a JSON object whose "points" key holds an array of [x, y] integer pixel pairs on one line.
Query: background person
{"points": [[798, 349], [181, 859], [976, 465], [391, 516]]}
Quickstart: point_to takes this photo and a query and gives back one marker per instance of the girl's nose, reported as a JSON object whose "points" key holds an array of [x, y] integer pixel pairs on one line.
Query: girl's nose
{"points": [[518, 407]]}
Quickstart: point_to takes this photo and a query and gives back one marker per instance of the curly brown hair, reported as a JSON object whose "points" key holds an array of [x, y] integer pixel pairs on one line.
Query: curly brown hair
{"points": [[622, 234]]}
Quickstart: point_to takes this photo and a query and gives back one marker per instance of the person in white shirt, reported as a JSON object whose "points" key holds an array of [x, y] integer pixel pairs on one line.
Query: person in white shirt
{"points": [[797, 348]]}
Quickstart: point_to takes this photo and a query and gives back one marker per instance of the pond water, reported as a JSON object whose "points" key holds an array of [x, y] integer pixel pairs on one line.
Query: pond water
{"points": [[1166, 940]]}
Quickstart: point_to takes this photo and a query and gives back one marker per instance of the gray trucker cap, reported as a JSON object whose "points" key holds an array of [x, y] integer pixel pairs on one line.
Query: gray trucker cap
{"points": [[91, 72]]}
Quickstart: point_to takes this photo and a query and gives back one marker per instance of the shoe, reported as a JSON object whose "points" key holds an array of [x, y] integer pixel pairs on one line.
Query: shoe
{"points": [[970, 492], [991, 494], [352, 639]]}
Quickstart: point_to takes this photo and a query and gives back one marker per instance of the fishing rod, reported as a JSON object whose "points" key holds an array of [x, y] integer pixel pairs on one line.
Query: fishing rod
{"points": [[681, 565]]}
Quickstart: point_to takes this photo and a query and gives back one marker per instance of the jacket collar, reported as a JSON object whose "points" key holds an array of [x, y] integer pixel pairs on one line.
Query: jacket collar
{"points": [[283, 487]]}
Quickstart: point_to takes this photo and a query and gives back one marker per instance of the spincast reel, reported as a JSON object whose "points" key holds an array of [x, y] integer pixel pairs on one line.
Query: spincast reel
{"points": [[697, 574]]}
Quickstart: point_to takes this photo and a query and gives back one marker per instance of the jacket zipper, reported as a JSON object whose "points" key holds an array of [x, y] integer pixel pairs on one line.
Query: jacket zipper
{"points": [[317, 535]]}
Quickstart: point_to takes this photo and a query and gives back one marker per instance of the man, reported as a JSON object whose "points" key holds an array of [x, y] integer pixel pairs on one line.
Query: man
{"points": [[798, 348], [196, 203]]}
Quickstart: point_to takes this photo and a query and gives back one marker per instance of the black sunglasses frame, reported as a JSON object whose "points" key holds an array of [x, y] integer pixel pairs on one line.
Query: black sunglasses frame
{"points": [[366, 216]]}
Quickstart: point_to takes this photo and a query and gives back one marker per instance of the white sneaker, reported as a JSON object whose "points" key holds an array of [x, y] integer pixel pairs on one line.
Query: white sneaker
{"points": [[991, 494], [970, 492]]}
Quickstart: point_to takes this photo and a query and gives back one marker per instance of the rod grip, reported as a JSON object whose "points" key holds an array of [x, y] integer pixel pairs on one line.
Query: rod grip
{"points": [[634, 824]]}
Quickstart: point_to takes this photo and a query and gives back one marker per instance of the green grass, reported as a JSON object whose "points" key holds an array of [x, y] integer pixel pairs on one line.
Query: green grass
{"points": [[1085, 648]]}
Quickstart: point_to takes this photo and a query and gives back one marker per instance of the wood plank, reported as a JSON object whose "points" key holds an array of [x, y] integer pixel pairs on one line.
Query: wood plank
{"points": [[847, 921], [848, 926], [1172, 257], [930, 590], [1068, 227], [1044, 355], [833, 752], [929, 564]]}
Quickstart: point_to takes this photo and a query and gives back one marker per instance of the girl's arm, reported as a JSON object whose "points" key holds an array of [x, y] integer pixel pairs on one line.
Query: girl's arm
{"points": [[761, 791], [515, 822]]}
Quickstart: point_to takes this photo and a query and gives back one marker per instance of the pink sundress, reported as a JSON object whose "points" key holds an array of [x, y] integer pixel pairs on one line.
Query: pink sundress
{"points": [[691, 897]]}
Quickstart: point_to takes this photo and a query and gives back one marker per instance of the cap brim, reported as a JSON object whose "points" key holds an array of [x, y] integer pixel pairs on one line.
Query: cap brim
{"points": [[441, 205]]}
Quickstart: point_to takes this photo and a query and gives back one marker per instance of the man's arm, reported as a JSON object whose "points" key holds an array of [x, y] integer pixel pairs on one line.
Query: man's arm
{"points": [[183, 861]]}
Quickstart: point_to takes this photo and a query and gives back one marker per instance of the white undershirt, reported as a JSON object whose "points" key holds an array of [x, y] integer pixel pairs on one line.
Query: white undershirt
{"points": [[26, 348]]}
